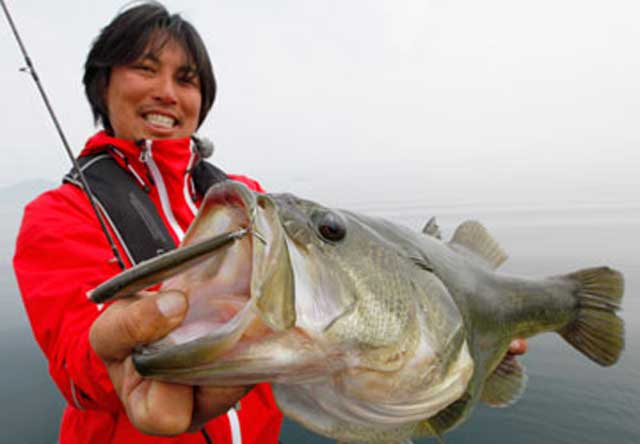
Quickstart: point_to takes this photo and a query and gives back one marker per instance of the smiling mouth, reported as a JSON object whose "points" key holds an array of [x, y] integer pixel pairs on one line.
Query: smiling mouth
{"points": [[160, 120]]}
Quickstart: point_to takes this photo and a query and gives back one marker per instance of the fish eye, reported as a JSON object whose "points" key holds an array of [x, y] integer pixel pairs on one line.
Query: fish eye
{"points": [[329, 226]]}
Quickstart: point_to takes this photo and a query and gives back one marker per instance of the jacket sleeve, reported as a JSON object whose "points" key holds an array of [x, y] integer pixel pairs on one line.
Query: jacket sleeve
{"points": [[61, 253], [252, 184]]}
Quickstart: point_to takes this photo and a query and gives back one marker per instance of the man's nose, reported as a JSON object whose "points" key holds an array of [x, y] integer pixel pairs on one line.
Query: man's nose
{"points": [[165, 89]]}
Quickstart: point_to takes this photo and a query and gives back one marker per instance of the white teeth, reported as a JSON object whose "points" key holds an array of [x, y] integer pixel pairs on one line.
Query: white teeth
{"points": [[160, 120]]}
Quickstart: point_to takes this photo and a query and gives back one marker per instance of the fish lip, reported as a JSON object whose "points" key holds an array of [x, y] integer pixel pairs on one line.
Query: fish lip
{"points": [[150, 360]]}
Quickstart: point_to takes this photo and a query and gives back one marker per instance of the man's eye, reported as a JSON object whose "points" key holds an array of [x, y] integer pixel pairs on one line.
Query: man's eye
{"points": [[190, 79], [144, 68]]}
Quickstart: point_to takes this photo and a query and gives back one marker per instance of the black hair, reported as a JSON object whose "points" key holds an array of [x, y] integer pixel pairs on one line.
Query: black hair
{"points": [[126, 39]]}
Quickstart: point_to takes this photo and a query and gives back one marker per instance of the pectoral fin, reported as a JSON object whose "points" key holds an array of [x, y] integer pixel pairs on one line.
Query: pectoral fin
{"points": [[448, 418], [506, 384]]}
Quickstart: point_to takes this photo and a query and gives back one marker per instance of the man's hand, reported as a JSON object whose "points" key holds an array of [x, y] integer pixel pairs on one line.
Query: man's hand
{"points": [[154, 407], [518, 347]]}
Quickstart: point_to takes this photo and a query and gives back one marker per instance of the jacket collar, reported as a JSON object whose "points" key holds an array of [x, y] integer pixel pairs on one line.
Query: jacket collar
{"points": [[164, 147], [172, 156]]}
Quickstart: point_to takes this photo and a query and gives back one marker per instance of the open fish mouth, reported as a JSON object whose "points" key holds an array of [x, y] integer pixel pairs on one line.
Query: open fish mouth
{"points": [[239, 296], [218, 287], [239, 286]]}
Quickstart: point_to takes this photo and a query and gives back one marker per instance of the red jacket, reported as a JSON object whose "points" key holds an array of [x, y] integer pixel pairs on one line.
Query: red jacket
{"points": [[61, 253]]}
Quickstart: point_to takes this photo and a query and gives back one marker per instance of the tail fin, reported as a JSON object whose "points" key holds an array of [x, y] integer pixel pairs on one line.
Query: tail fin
{"points": [[597, 331]]}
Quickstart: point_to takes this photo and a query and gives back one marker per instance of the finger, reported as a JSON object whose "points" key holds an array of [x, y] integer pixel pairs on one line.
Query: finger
{"points": [[518, 346], [210, 402], [127, 324], [155, 407]]}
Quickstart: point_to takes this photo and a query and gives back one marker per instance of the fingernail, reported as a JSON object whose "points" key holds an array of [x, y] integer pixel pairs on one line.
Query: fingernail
{"points": [[172, 304]]}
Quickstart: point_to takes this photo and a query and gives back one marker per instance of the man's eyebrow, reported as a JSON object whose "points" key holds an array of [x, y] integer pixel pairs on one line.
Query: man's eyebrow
{"points": [[150, 56]]}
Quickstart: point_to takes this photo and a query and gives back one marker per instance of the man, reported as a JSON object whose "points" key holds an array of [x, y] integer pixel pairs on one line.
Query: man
{"points": [[150, 84]]}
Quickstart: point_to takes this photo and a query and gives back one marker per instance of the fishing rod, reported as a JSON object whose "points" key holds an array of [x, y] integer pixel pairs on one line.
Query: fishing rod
{"points": [[85, 185]]}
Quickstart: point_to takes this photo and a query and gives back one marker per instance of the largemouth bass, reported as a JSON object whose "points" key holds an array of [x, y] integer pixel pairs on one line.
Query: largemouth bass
{"points": [[369, 332]]}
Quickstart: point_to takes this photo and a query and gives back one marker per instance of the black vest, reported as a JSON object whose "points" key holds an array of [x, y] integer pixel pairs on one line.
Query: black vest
{"points": [[127, 207]]}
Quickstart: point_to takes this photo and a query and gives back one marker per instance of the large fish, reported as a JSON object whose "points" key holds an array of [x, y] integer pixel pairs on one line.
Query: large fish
{"points": [[369, 332]]}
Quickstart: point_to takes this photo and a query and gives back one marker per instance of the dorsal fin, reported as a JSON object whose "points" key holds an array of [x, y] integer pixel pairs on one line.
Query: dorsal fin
{"points": [[473, 236], [506, 384], [431, 228]]}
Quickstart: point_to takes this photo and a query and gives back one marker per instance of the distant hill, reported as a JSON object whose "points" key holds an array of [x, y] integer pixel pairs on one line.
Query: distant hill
{"points": [[24, 371], [22, 192]]}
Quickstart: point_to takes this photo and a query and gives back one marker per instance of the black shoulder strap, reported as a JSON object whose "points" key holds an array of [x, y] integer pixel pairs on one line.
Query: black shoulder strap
{"points": [[128, 208], [205, 175]]}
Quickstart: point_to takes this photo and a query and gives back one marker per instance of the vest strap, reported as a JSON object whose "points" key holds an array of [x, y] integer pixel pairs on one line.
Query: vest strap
{"points": [[128, 208]]}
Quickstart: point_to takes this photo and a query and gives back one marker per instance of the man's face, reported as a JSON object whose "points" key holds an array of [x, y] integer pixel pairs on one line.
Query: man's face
{"points": [[155, 97]]}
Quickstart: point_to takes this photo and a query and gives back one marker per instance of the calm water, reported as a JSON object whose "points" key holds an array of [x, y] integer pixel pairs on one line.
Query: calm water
{"points": [[568, 399]]}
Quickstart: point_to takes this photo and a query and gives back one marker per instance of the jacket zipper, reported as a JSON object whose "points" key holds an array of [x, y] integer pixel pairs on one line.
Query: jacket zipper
{"points": [[188, 181], [147, 158]]}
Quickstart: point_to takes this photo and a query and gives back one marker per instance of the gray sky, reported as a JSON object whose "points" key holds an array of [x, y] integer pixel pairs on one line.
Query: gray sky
{"points": [[450, 101]]}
